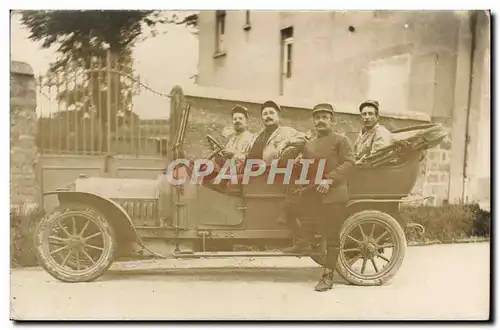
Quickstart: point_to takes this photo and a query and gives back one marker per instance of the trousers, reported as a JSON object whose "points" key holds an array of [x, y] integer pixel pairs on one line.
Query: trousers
{"points": [[329, 216]]}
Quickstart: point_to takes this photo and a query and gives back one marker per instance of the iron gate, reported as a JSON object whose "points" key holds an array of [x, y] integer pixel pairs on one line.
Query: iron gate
{"points": [[89, 125]]}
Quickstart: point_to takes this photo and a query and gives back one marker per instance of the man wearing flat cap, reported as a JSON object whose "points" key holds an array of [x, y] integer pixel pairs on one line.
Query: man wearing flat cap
{"points": [[373, 135], [325, 202], [272, 140], [239, 144]]}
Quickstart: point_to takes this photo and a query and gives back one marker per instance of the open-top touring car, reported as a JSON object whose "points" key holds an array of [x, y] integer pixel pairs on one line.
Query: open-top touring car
{"points": [[100, 220]]}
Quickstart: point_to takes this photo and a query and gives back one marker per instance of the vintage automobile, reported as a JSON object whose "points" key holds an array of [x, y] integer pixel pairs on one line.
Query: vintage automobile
{"points": [[101, 220]]}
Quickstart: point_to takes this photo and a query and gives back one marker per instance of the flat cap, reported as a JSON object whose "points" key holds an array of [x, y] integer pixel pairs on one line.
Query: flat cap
{"points": [[367, 103], [323, 107], [270, 104], [239, 109]]}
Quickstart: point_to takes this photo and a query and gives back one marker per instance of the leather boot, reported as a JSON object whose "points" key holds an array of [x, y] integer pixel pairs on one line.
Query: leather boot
{"points": [[302, 245], [325, 283]]}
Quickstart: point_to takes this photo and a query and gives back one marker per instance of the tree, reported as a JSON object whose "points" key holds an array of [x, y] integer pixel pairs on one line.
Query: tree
{"points": [[83, 39], [78, 32]]}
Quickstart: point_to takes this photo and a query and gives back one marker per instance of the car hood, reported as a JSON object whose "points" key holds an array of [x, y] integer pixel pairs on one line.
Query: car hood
{"points": [[115, 188]]}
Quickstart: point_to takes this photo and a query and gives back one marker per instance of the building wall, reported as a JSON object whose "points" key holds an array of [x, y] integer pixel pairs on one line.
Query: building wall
{"points": [[344, 66], [24, 188], [470, 122], [478, 170], [412, 62]]}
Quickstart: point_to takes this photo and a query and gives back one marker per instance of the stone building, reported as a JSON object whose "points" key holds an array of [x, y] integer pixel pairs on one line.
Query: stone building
{"points": [[417, 64]]}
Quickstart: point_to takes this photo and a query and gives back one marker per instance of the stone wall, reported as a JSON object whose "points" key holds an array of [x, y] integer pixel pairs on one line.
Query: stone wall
{"points": [[24, 188], [211, 115], [436, 176]]}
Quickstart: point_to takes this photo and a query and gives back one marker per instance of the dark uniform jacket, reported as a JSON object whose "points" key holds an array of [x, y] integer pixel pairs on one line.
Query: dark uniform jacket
{"points": [[338, 152]]}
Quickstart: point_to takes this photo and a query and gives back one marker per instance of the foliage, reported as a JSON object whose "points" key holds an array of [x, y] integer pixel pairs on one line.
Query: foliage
{"points": [[83, 86], [448, 223], [80, 32], [22, 223], [481, 225]]}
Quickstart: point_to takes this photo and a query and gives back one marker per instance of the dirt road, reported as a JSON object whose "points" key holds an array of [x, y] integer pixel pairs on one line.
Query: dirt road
{"points": [[435, 282]]}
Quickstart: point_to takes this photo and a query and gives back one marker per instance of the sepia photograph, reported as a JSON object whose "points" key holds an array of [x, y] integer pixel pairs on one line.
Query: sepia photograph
{"points": [[250, 165]]}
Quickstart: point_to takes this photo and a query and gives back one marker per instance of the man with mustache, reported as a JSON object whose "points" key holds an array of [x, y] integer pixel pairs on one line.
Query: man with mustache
{"points": [[239, 144], [325, 201], [373, 135], [274, 138]]}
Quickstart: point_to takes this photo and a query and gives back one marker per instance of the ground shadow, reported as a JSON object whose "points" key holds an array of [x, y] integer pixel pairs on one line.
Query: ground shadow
{"points": [[233, 274]]}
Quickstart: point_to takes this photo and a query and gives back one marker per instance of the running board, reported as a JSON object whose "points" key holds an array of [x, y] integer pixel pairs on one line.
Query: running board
{"points": [[236, 254]]}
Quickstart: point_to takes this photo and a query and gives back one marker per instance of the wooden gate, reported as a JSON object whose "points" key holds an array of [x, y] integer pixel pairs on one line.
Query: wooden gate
{"points": [[91, 123]]}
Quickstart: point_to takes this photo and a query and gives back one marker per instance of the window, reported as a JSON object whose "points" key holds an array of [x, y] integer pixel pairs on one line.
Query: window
{"points": [[220, 27], [247, 25], [287, 50], [286, 58]]}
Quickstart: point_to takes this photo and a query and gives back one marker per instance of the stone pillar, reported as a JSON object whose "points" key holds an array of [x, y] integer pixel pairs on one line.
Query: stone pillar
{"points": [[460, 110], [24, 187], [478, 172]]}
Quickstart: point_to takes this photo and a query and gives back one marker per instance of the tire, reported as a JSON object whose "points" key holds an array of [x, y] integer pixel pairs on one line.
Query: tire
{"points": [[365, 218], [77, 246], [397, 235]]}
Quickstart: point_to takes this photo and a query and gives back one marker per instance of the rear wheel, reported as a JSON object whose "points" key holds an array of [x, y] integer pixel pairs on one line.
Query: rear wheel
{"points": [[372, 248], [75, 243]]}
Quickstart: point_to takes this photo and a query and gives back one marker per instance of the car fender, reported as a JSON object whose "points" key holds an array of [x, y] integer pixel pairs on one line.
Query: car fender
{"points": [[357, 202], [114, 213], [390, 206]]}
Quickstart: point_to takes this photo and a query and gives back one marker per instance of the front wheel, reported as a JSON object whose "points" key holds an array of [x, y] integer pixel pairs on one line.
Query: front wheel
{"points": [[75, 243], [372, 248]]}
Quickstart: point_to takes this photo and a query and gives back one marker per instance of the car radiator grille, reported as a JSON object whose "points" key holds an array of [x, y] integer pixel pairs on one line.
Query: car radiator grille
{"points": [[144, 211]]}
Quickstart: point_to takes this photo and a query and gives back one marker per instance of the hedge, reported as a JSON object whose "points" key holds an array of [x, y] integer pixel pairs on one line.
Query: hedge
{"points": [[22, 223], [443, 224], [447, 223]]}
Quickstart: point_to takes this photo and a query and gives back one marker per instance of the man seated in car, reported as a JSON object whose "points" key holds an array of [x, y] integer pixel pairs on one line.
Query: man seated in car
{"points": [[239, 144], [373, 136], [275, 137], [269, 144]]}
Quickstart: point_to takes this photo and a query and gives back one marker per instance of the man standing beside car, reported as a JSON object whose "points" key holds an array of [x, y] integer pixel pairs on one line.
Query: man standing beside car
{"points": [[326, 200]]}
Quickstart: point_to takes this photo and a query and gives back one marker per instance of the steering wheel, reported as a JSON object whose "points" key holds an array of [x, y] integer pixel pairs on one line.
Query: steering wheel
{"points": [[218, 147]]}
